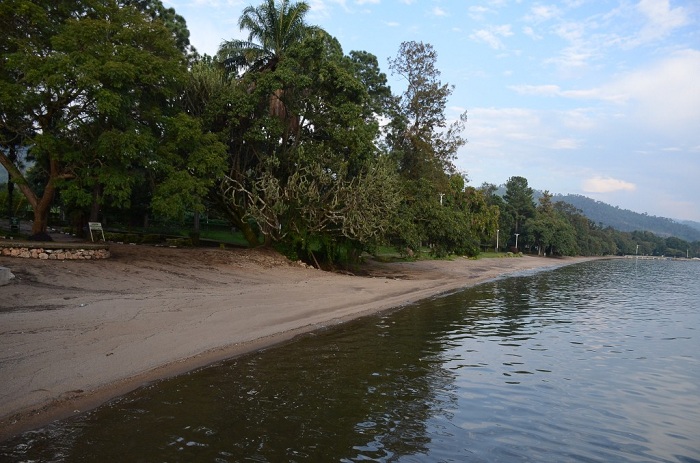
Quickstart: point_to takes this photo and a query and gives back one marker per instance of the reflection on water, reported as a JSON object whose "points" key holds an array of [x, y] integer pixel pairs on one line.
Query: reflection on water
{"points": [[592, 362]]}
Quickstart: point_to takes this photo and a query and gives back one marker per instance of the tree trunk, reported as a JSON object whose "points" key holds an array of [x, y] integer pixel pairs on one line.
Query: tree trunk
{"points": [[234, 215], [249, 234], [40, 206], [95, 209]]}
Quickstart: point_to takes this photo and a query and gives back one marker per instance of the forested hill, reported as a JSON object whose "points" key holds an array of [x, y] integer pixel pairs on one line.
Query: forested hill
{"points": [[626, 220]]}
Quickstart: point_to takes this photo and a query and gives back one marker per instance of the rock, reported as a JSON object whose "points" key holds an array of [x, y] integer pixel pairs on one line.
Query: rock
{"points": [[5, 275]]}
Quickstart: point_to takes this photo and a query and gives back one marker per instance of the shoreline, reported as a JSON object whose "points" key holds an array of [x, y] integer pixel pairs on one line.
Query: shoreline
{"points": [[77, 334]]}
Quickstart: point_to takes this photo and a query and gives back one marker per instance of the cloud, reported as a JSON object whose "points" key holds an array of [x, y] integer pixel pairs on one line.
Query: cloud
{"points": [[478, 12], [663, 95], [542, 90], [600, 184], [363, 2], [437, 11], [492, 36], [530, 32], [566, 144], [540, 13], [661, 19]]}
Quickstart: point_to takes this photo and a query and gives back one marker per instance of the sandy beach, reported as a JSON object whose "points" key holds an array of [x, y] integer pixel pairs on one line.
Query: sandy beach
{"points": [[75, 334]]}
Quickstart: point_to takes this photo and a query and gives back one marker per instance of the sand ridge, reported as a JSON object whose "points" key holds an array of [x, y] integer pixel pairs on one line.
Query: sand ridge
{"points": [[74, 334]]}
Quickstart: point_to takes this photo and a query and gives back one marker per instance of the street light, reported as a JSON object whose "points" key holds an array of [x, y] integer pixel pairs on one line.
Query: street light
{"points": [[497, 230], [516, 240]]}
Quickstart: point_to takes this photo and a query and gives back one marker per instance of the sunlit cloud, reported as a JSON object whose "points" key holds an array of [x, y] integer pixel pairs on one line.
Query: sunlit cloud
{"points": [[606, 185]]}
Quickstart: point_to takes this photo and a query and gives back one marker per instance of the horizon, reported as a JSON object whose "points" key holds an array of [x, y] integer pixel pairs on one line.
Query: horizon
{"points": [[579, 97]]}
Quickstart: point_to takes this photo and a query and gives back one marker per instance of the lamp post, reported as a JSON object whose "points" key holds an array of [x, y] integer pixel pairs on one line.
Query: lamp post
{"points": [[516, 240], [497, 230]]}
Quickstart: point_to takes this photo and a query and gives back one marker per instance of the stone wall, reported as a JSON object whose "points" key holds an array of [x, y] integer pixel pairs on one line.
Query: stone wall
{"points": [[65, 253]]}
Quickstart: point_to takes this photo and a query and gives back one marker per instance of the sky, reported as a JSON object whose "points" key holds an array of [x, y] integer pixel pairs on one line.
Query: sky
{"points": [[593, 97]]}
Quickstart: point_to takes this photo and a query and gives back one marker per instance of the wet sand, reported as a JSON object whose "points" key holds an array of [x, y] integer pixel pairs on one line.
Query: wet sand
{"points": [[75, 334]]}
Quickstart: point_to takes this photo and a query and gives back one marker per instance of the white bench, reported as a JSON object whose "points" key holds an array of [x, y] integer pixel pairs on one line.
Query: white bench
{"points": [[96, 227]]}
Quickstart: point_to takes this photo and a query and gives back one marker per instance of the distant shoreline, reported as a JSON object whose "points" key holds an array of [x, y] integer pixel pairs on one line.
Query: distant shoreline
{"points": [[76, 334]]}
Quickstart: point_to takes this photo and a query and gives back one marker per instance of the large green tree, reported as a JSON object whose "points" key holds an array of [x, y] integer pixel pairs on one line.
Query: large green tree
{"points": [[424, 146], [90, 88], [324, 182]]}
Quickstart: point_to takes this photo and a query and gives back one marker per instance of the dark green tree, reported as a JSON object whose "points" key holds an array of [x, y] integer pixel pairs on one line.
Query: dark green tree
{"points": [[90, 87], [520, 204], [548, 231], [304, 167]]}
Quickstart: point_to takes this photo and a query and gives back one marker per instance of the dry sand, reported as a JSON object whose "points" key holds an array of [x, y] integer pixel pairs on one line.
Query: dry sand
{"points": [[74, 334]]}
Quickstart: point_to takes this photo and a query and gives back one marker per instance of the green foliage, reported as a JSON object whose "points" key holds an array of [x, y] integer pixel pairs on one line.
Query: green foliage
{"points": [[520, 204], [191, 161], [303, 164], [85, 85], [273, 28]]}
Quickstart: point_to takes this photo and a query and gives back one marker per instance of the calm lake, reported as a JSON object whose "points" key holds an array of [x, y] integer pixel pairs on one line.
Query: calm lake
{"points": [[593, 362]]}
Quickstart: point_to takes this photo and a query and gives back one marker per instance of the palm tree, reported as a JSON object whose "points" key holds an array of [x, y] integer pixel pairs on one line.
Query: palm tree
{"points": [[273, 29]]}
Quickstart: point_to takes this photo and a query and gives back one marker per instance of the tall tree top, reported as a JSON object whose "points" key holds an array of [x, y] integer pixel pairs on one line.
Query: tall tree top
{"points": [[274, 26]]}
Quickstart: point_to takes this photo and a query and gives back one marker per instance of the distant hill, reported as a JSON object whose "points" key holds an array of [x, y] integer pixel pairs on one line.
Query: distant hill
{"points": [[626, 220], [690, 223]]}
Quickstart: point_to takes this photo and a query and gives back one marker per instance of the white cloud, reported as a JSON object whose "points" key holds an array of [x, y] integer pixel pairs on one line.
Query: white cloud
{"points": [[664, 95], [543, 90], [539, 13], [492, 36], [566, 144], [437, 11], [530, 32], [600, 184], [478, 12], [581, 119], [662, 19], [363, 2]]}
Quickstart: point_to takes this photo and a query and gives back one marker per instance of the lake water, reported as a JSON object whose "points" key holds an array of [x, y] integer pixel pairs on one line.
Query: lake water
{"points": [[593, 362]]}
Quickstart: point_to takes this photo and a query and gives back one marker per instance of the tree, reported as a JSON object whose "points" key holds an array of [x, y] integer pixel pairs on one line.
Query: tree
{"points": [[549, 231], [418, 134], [366, 69], [424, 147], [90, 88], [175, 23], [273, 28], [309, 174], [519, 202]]}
